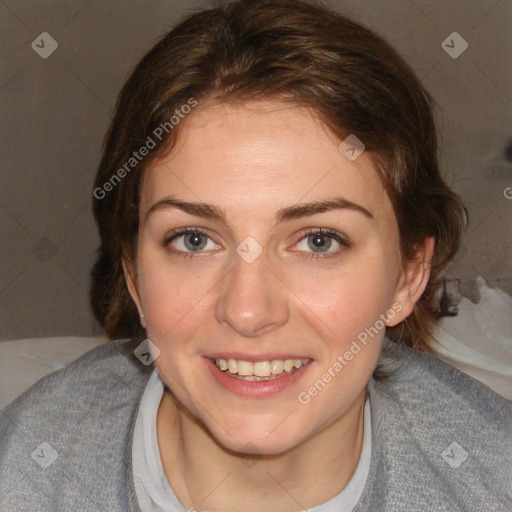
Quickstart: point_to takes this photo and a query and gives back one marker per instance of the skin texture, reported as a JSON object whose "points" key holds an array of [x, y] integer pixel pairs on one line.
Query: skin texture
{"points": [[250, 161]]}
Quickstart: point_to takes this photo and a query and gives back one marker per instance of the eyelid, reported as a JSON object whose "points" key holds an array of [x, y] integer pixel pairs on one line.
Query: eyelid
{"points": [[341, 239], [336, 235], [176, 233]]}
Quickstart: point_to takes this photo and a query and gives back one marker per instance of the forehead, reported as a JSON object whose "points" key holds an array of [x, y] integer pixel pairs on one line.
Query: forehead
{"points": [[261, 155]]}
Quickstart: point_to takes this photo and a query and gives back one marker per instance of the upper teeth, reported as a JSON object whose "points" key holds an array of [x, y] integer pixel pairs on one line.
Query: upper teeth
{"points": [[260, 368]]}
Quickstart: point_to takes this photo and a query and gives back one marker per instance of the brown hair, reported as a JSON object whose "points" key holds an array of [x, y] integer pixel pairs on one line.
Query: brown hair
{"points": [[290, 50]]}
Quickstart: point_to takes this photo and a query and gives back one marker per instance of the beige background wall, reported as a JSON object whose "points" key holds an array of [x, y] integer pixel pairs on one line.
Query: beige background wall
{"points": [[56, 110]]}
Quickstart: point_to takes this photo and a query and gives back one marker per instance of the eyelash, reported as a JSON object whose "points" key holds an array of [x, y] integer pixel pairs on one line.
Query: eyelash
{"points": [[344, 243], [180, 232]]}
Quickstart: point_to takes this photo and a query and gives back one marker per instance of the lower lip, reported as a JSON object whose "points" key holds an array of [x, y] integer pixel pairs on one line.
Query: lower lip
{"points": [[256, 388]]}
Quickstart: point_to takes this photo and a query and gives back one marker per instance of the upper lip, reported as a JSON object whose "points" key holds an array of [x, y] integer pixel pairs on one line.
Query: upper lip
{"points": [[253, 358]]}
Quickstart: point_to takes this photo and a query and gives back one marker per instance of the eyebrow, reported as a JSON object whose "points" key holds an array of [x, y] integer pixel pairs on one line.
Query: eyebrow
{"points": [[297, 211]]}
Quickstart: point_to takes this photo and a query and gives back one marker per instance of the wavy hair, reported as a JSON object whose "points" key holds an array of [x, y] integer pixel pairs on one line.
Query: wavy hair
{"points": [[294, 51]]}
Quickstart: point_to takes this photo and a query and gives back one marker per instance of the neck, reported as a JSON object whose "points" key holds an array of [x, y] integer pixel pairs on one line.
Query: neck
{"points": [[206, 476]]}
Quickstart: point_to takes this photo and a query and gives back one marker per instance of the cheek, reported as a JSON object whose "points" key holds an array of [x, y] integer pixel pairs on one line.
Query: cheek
{"points": [[349, 300], [172, 298]]}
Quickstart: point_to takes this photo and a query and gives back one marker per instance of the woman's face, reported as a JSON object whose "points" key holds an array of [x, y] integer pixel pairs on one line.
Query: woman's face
{"points": [[253, 280]]}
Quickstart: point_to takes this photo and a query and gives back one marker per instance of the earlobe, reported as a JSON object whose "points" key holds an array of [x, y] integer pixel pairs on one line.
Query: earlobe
{"points": [[130, 275], [413, 281]]}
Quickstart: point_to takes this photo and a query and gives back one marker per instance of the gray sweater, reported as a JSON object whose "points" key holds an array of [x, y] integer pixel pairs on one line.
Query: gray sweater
{"points": [[441, 441]]}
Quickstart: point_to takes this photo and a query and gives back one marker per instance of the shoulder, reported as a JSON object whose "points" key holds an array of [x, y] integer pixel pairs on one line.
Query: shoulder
{"points": [[87, 378], [426, 382], [440, 427], [72, 426]]}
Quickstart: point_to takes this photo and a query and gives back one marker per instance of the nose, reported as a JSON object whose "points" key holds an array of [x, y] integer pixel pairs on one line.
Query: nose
{"points": [[252, 300]]}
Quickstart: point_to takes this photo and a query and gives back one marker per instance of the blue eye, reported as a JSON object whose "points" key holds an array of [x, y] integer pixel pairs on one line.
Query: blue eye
{"points": [[318, 242], [191, 240], [321, 240]]}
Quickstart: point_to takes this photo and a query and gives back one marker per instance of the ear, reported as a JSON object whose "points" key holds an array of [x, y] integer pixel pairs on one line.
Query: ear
{"points": [[130, 275], [413, 281]]}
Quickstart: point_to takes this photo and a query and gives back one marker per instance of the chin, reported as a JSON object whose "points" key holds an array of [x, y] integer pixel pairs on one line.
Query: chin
{"points": [[258, 441]]}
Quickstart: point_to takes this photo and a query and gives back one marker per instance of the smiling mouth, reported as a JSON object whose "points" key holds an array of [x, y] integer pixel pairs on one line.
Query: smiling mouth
{"points": [[260, 370]]}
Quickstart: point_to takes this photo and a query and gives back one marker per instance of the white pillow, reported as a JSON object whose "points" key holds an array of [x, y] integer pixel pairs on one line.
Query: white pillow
{"points": [[23, 362], [478, 340]]}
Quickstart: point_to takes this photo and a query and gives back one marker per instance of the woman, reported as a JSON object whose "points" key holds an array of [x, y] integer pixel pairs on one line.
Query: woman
{"points": [[271, 215]]}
